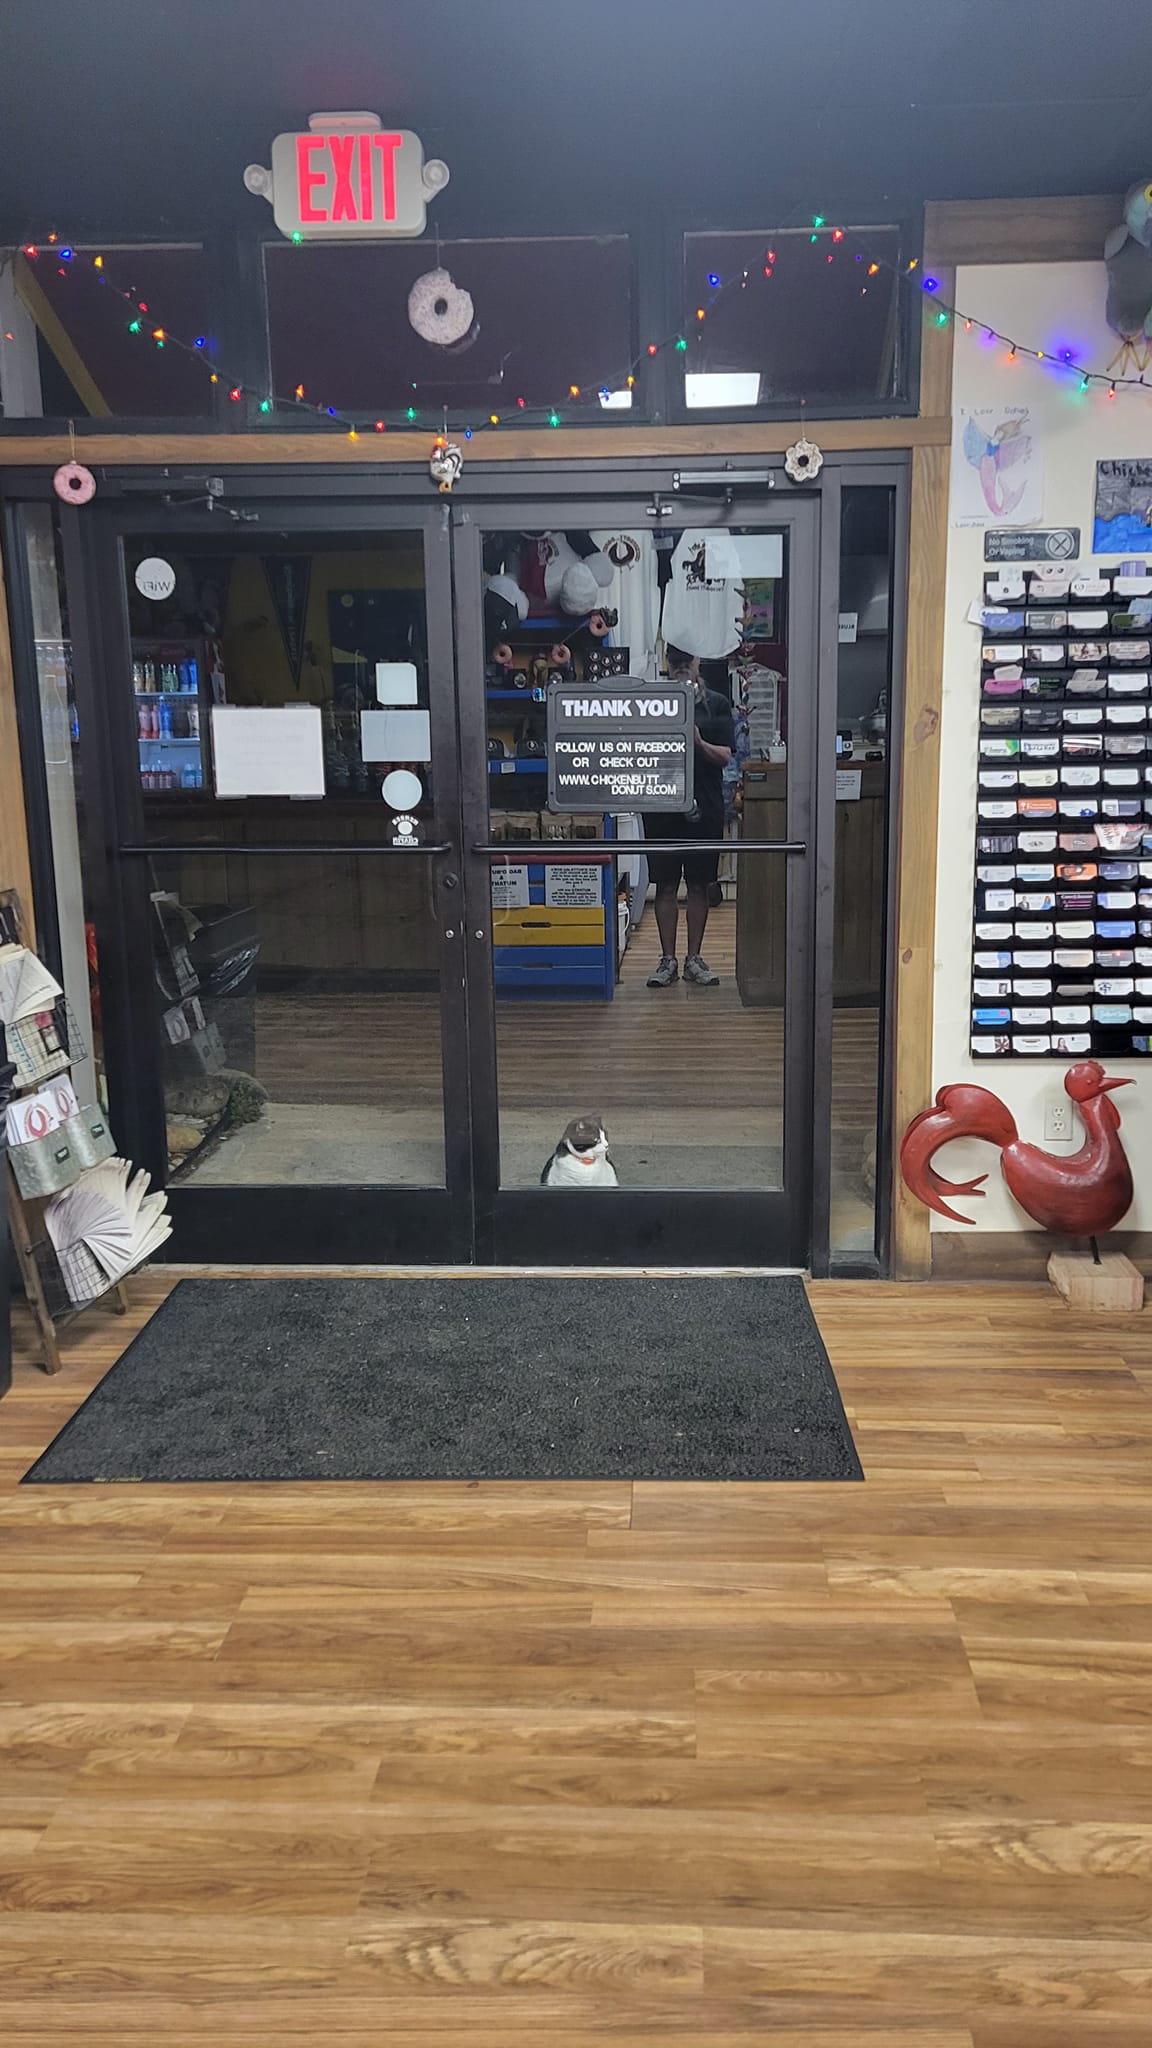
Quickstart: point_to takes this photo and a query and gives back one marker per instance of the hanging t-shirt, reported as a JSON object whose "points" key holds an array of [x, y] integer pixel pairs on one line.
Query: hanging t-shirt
{"points": [[634, 593], [702, 613]]}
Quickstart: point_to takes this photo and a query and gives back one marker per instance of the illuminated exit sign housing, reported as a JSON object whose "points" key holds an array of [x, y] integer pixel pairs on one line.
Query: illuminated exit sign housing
{"points": [[348, 178]]}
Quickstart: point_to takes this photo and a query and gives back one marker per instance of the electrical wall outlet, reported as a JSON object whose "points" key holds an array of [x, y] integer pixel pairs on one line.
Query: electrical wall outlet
{"points": [[1057, 1118]]}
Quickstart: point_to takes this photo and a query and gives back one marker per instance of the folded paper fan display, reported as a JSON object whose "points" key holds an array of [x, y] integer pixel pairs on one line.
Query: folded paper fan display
{"points": [[26, 987], [110, 1213]]}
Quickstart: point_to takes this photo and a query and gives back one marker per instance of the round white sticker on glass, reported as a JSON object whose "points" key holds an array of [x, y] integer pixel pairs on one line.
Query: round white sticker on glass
{"points": [[401, 789], [155, 578]]}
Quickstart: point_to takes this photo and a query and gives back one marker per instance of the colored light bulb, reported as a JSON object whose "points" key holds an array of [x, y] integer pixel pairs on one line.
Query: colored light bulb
{"points": [[553, 419]]}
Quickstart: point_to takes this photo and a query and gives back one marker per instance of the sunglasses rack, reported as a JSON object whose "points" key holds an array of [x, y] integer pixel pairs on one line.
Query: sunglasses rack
{"points": [[1062, 946]]}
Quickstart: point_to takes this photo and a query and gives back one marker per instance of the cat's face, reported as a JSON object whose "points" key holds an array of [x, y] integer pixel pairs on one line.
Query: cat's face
{"points": [[586, 1136]]}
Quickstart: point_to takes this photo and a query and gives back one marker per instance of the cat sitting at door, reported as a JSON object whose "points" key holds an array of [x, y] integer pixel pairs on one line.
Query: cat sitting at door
{"points": [[581, 1158]]}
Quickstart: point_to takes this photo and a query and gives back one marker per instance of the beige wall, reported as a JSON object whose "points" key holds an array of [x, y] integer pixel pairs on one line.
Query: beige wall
{"points": [[1051, 305]]}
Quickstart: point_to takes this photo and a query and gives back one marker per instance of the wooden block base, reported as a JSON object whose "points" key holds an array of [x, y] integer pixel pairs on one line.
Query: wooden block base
{"points": [[1114, 1286]]}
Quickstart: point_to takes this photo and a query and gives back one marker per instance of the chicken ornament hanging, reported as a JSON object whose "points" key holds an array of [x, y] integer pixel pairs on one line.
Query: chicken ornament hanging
{"points": [[1128, 261], [1080, 1195]]}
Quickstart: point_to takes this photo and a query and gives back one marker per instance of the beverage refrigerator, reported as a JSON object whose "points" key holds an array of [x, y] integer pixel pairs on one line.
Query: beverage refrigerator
{"points": [[175, 683]]}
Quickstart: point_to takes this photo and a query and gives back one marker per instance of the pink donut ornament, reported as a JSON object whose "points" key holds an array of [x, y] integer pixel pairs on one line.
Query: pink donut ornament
{"points": [[74, 483]]}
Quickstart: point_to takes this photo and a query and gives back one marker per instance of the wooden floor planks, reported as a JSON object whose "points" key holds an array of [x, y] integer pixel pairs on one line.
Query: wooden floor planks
{"points": [[831, 1766]]}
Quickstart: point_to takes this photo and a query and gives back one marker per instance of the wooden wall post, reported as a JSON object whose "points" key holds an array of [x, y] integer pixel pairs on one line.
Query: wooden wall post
{"points": [[920, 788], [15, 868]]}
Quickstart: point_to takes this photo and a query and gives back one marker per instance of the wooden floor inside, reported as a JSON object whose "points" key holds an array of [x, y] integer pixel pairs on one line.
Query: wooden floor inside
{"points": [[821, 1766]]}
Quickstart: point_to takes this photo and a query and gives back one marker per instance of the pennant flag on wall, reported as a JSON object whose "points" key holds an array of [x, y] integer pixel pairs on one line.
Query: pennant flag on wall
{"points": [[289, 577]]}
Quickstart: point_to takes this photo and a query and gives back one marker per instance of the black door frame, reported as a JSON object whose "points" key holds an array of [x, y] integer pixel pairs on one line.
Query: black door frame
{"points": [[634, 1226], [274, 1224], [341, 498]]}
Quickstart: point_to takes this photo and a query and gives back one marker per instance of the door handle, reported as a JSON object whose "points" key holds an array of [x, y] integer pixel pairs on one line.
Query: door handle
{"points": [[581, 849]]}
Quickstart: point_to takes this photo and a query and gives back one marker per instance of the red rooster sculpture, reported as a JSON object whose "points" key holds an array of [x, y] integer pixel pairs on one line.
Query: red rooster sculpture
{"points": [[1083, 1194]]}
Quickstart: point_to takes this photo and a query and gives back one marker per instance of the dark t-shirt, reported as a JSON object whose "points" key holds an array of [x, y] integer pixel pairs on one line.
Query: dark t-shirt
{"points": [[714, 724]]}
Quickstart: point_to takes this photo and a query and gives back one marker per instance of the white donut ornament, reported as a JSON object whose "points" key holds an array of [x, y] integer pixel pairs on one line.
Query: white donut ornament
{"points": [[440, 311], [74, 483]]}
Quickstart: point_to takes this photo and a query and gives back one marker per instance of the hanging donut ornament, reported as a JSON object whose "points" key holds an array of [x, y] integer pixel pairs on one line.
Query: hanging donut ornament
{"points": [[75, 484], [803, 460], [442, 312]]}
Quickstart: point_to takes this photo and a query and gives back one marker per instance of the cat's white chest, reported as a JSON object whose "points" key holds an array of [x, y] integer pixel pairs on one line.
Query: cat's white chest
{"points": [[566, 1171]]}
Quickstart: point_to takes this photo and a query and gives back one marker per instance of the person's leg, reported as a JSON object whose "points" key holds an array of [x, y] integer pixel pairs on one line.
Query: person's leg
{"points": [[668, 916], [696, 918], [664, 870], [700, 871]]}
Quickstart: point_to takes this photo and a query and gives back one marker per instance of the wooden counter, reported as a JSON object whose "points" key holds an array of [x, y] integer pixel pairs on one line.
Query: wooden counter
{"points": [[858, 923]]}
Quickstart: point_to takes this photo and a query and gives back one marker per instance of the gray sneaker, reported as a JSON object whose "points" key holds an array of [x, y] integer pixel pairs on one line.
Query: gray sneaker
{"points": [[666, 973], [698, 970]]}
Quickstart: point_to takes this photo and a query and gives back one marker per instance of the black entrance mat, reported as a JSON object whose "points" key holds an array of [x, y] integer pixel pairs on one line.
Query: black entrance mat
{"points": [[526, 1378]]}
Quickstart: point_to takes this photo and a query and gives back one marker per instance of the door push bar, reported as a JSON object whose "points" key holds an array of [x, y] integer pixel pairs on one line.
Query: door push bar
{"points": [[578, 849], [332, 846]]}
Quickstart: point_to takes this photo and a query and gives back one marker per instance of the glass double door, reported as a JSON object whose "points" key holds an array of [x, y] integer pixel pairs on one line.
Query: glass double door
{"points": [[362, 994]]}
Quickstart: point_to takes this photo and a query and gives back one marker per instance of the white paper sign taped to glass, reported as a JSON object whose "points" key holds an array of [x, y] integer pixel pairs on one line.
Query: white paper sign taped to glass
{"points": [[510, 888], [268, 752], [573, 885], [627, 746]]}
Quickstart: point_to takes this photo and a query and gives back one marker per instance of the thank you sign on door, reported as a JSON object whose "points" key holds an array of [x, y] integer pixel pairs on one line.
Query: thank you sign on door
{"points": [[624, 746]]}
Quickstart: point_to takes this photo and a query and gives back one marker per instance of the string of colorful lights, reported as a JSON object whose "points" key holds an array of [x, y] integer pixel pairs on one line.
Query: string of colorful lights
{"points": [[354, 423]]}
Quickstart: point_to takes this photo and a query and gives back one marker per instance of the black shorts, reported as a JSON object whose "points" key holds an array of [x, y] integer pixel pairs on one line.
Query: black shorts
{"points": [[698, 869]]}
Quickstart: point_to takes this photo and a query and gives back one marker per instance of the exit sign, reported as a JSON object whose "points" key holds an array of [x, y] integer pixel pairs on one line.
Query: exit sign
{"points": [[348, 179]]}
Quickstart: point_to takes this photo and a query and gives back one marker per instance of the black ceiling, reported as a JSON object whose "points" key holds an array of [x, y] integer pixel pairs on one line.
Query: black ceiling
{"points": [[141, 114]]}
